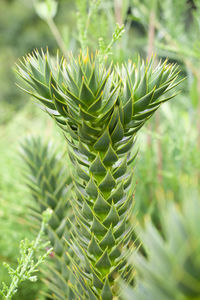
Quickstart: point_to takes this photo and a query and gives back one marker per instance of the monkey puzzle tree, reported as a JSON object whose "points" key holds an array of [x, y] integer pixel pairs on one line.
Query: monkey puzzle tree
{"points": [[49, 183], [100, 108]]}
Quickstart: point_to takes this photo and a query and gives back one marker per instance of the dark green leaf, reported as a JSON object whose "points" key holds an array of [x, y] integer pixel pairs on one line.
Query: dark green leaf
{"points": [[108, 183]]}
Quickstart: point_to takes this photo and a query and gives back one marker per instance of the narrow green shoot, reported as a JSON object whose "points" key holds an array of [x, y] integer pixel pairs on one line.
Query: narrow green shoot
{"points": [[27, 264]]}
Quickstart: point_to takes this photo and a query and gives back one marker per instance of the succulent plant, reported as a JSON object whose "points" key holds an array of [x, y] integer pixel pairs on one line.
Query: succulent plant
{"points": [[100, 108], [171, 269], [49, 183]]}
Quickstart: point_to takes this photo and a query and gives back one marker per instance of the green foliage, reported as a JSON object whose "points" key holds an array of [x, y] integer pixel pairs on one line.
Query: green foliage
{"points": [[85, 15], [172, 30], [22, 31], [171, 269], [14, 197], [100, 109], [107, 50], [98, 27], [49, 185], [27, 264], [180, 162], [176, 37]]}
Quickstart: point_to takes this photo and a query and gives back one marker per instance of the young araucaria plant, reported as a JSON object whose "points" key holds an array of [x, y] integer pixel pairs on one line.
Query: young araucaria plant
{"points": [[100, 108]]}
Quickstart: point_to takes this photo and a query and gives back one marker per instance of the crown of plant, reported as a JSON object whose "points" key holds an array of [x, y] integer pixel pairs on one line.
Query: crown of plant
{"points": [[99, 109], [171, 269], [49, 184]]}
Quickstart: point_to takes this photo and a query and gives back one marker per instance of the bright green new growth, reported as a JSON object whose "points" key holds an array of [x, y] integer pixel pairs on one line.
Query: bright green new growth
{"points": [[27, 263], [49, 183], [99, 109], [171, 269]]}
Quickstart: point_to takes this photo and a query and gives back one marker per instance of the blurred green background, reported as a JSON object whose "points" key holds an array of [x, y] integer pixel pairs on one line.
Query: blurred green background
{"points": [[168, 161]]}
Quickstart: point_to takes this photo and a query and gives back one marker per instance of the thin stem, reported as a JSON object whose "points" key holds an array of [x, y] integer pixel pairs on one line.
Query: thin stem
{"points": [[57, 35], [150, 50], [118, 11], [118, 16], [198, 120], [159, 148], [84, 23], [151, 34], [16, 278]]}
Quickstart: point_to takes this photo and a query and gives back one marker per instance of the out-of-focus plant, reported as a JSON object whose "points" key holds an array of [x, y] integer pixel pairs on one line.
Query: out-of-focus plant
{"points": [[27, 263], [180, 157], [176, 36], [49, 184], [87, 12], [171, 267]]}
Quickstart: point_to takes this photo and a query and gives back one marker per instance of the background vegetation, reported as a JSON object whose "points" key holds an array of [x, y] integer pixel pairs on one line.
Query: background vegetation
{"points": [[168, 162]]}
